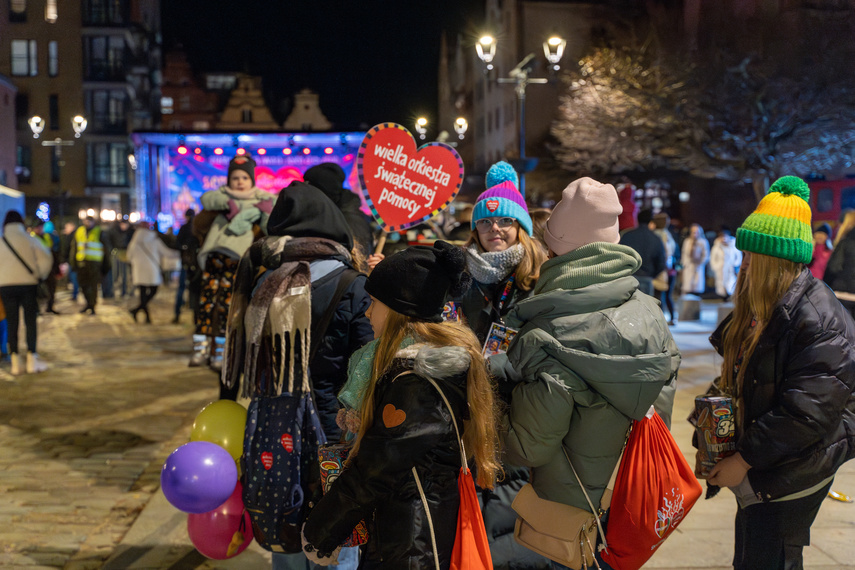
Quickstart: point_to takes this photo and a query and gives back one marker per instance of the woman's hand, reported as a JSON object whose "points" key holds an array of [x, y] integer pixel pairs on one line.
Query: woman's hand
{"points": [[319, 558], [374, 259], [729, 472]]}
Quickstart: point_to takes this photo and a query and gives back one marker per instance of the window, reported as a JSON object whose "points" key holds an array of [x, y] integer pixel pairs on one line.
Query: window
{"points": [[105, 12], [53, 58], [847, 198], [18, 11], [824, 200], [50, 11], [53, 112], [104, 58], [24, 58], [22, 112], [23, 164], [107, 110], [184, 103], [108, 164], [166, 106], [246, 116]]}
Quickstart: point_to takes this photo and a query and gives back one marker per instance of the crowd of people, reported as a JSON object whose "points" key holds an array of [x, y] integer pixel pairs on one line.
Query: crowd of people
{"points": [[398, 357]]}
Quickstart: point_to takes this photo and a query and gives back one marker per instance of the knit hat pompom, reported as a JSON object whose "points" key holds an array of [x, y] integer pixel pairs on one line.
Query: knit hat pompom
{"points": [[791, 186], [502, 172], [781, 224], [453, 260]]}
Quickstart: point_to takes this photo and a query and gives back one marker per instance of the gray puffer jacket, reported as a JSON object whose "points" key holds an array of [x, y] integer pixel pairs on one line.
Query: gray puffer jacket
{"points": [[594, 353]]}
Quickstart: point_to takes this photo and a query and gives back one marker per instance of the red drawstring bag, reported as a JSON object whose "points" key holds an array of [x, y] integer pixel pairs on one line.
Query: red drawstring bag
{"points": [[654, 491], [471, 549]]}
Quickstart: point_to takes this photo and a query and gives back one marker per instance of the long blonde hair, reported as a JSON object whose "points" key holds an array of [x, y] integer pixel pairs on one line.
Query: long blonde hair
{"points": [[528, 270], [845, 227], [480, 436], [759, 288]]}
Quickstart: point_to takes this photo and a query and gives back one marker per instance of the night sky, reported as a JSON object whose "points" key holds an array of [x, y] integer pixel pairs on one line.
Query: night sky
{"points": [[369, 61]]}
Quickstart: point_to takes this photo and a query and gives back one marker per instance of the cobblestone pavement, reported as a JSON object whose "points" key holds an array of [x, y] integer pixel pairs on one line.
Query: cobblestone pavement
{"points": [[82, 445]]}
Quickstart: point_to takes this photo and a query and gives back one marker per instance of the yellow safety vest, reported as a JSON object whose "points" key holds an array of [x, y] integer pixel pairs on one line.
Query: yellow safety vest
{"points": [[89, 247], [45, 239]]}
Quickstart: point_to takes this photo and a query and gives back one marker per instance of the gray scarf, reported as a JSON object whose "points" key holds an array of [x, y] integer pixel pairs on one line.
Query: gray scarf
{"points": [[490, 267]]}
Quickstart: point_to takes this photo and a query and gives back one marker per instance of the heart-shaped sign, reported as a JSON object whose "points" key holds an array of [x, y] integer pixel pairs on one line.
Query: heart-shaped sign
{"points": [[404, 186], [267, 460], [287, 442]]}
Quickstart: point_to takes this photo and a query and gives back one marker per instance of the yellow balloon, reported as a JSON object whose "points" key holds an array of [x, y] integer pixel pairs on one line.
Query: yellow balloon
{"points": [[221, 422]]}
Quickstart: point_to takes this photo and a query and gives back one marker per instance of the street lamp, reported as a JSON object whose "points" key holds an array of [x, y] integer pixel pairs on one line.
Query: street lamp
{"points": [[78, 124], [553, 48], [460, 127], [421, 127]]}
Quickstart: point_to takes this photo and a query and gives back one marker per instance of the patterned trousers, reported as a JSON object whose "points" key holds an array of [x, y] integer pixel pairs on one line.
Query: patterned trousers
{"points": [[216, 294]]}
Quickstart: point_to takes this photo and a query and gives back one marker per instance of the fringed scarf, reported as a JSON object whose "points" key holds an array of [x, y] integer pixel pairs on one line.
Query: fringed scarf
{"points": [[267, 334]]}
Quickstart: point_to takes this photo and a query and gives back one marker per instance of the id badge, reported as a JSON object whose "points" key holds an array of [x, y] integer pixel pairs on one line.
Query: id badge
{"points": [[450, 312], [498, 339]]}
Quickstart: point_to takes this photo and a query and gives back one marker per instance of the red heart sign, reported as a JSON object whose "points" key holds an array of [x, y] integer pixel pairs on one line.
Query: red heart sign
{"points": [[492, 205], [287, 442], [267, 460], [404, 186]]}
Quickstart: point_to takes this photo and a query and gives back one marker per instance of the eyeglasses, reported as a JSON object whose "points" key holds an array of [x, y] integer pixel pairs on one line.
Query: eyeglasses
{"points": [[484, 225]]}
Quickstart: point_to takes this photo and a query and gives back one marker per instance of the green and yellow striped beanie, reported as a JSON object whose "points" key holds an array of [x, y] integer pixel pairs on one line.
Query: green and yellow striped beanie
{"points": [[780, 226]]}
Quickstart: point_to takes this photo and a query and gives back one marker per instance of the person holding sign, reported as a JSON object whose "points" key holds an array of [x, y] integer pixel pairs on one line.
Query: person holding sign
{"points": [[501, 255]]}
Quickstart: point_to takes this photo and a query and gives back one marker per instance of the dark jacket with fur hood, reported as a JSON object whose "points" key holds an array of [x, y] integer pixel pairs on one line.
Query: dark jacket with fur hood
{"points": [[799, 411], [411, 429]]}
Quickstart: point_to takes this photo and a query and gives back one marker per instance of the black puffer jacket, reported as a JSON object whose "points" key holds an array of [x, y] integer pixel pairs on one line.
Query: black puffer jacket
{"points": [[840, 271], [411, 428], [799, 410]]}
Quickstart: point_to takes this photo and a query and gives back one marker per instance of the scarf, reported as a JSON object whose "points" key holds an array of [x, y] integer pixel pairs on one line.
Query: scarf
{"points": [[267, 331], [490, 267], [597, 262], [359, 373]]}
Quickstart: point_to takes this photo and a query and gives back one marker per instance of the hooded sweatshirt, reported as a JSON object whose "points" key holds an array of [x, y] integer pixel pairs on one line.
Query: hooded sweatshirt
{"points": [[594, 353]]}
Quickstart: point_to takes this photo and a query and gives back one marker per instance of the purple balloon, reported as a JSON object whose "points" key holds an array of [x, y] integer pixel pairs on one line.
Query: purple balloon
{"points": [[198, 477]]}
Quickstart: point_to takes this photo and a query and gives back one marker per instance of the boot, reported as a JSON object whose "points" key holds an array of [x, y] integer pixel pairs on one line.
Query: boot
{"points": [[217, 354], [147, 316], [16, 364], [34, 365], [200, 350]]}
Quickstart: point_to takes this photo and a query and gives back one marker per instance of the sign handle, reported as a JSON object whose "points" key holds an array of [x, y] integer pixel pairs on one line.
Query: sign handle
{"points": [[381, 243]]}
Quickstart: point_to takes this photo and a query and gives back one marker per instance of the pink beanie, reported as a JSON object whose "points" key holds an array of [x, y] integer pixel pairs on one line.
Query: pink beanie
{"points": [[587, 213]]}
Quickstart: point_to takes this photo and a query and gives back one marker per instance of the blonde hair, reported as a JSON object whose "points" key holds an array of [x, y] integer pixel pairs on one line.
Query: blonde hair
{"points": [[845, 227], [480, 436], [758, 289], [528, 270]]}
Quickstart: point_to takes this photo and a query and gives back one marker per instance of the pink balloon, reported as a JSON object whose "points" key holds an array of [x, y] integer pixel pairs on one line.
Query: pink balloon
{"points": [[213, 532]]}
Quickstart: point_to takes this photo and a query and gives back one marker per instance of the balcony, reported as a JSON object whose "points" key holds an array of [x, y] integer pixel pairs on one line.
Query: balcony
{"points": [[105, 71]]}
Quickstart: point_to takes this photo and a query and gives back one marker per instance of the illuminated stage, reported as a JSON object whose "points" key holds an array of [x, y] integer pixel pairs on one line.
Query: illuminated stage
{"points": [[174, 169]]}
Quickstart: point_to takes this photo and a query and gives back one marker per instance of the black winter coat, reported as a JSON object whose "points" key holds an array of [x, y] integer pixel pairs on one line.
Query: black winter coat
{"points": [[348, 330], [479, 305], [799, 410], [411, 428], [840, 271]]}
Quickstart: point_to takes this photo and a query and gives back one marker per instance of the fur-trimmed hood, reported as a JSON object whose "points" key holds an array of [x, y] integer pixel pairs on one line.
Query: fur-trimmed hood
{"points": [[436, 361]]}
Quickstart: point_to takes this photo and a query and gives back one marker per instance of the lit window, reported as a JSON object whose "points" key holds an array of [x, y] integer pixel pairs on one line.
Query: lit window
{"points": [[246, 116], [53, 58], [166, 105], [24, 58], [18, 11], [50, 11]]}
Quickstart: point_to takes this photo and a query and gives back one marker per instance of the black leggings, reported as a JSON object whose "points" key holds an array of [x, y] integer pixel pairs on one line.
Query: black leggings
{"points": [[14, 298], [147, 293], [666, 298]]}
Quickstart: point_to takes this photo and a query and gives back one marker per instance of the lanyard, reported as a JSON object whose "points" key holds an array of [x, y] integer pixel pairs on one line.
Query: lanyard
{"points": [[505, 293]]}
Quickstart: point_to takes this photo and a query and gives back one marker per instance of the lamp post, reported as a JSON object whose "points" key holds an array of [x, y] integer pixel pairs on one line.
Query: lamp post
{"points": [[78, 124], [553, 49]]}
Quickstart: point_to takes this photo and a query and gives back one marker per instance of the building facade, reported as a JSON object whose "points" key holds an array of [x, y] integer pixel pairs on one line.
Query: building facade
{"points": [[112, 80]]}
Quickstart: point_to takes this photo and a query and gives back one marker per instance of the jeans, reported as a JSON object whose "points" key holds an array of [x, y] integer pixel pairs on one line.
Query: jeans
{"points": [[107, 285], [179, 294], [348, 559], [15, 298], [4, 338], [75, 284]]}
